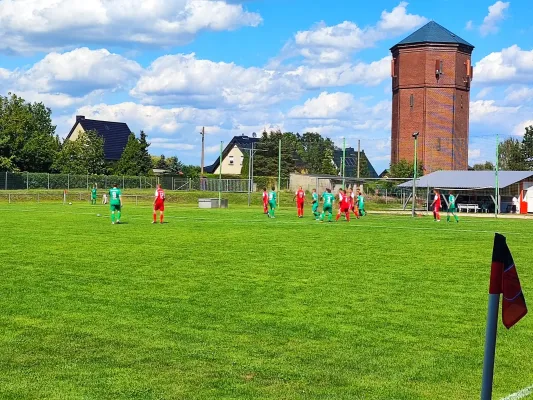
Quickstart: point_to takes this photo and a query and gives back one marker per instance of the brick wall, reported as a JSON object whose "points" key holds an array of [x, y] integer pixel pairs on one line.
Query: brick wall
{"points": [[437, 107]]}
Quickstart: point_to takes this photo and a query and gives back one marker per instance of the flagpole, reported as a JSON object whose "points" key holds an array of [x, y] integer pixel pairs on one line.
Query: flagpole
{"points": [[220, 176], [490, 347], [497, 199], [344, 163], [279, 171]]}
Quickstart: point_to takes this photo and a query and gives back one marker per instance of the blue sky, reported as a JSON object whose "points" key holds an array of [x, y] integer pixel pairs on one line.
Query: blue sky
{"points": [[240, 66]]}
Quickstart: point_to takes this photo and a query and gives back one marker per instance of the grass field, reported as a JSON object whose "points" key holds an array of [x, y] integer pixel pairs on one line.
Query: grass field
{"points": [[227, 304]]}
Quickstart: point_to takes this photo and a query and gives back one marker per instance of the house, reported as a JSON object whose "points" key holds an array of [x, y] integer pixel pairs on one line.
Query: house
{"points": [[115, 135], [232, 156], [351, 163]]}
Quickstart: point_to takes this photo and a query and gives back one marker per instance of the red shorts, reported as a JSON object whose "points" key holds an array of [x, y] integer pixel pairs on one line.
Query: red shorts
{"points": [[344, 208], [300, 204], [159, 206], [436, 209]]}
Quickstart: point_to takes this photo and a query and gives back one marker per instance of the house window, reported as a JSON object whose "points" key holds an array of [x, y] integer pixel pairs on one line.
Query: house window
{"points": [[242, 160], [412, 101], [230, 160]]}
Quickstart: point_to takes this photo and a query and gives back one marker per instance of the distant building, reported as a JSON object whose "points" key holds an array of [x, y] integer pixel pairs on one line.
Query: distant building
{"points": [[350, 169], [115, 135], [232, 156], [431, 74]]}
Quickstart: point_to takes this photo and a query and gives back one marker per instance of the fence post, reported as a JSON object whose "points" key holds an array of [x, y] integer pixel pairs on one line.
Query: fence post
{"points": [[80, 196], [9, 198], [386, 202], [6, 180], [48, 181], [27, 180]]}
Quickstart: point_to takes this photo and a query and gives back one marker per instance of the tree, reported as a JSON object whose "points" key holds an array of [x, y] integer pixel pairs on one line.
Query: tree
{"points": [[511, 155], [145, 160], [527, 147], [266, 159], [174, 165], [161, 162], [191, 171], [316, 152], [129, 161], [27, 136], [486, 166], [405, 169], [85, 155]]}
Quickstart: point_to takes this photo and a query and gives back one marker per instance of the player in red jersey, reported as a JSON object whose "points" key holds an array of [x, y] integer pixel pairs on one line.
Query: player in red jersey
{"points": [[159, 204], [300, 200], [344, 205], [436, 206], [265, 201]]}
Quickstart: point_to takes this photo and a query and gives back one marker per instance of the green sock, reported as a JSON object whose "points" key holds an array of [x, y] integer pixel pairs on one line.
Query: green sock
{"points": [[330, 217], [456, 218], [113, 216], [448, 218], [118, 216], [322, 217]]}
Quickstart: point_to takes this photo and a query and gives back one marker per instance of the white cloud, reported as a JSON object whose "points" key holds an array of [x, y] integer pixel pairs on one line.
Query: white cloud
{"points": [[496, 14], [483, 93], [334, 44], [520, 128], [326, 105], [518, 95], [469, 25], [474, 154], [78, 72], [488, 111], [52, 100], [511, 65], [29, 25], [170, 144]]}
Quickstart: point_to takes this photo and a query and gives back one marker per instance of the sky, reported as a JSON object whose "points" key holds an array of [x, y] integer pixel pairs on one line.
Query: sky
{"points": [[242, 66]]}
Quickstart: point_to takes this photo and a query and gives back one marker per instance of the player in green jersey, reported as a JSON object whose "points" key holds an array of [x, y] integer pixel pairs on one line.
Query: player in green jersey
{"points": [[272, 202], [314, 197], [115, 203], [328, 199], [93, 195], [452, 208], [361, 203]]}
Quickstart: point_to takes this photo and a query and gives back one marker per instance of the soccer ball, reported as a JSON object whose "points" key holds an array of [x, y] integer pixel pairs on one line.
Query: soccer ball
{"points": [[98, 215], [69, 204]]}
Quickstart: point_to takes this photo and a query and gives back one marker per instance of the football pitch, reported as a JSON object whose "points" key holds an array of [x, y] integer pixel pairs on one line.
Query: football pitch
{"points": [[228, 304]]}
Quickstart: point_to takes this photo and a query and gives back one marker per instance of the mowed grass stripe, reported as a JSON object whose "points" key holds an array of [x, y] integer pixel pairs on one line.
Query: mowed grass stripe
{"points": [[208, 308]]}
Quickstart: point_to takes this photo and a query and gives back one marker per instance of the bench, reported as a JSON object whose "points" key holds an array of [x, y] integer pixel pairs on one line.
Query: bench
{"points": [[212, 203], [468, 207]]}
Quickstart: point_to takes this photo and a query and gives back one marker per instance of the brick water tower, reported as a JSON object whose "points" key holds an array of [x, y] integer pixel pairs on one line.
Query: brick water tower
{"points": [[431, 74]]}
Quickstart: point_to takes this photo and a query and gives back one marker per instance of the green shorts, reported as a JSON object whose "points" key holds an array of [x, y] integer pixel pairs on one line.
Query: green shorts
{"points": [[272, 204], [452, 209], [328, 209], [315, 207], [115, 207]]}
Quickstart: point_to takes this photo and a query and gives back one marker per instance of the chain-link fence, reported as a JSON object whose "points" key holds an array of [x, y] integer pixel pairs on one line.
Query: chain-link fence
{"points": [[28, 181]]}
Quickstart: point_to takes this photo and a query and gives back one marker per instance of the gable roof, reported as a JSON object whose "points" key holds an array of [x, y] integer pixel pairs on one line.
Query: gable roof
{"points": [[351, 162], [115, 135], [433, 33], [469, 179], [242, 142]]}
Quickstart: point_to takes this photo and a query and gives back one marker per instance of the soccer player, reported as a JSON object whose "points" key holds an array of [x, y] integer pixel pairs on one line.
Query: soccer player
{"points": [[436, 206], [159, 204], [300, 199], [354, 203], [265, 201], [272, 202], [328, 199], [452, 208], [115, 203], [344, 205], [314, 196], [93, 195], [361, 203]]}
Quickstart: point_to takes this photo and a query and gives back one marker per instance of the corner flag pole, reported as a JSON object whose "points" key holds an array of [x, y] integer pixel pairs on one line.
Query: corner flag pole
{"points": [[220, 176], [490, 347], [279, 170], [344, 163]]}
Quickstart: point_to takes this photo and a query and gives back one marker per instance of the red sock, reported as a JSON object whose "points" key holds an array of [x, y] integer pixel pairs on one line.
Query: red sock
{"points": [[348, 216], [161, 217], [337, 217], [155, 217]]}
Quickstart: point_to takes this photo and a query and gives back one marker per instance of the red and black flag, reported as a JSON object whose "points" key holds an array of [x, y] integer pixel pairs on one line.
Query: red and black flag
{"points": [[504, 280]]}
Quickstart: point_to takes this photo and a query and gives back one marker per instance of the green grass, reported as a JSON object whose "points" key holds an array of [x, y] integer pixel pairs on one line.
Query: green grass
{"points": [[226, 304]]}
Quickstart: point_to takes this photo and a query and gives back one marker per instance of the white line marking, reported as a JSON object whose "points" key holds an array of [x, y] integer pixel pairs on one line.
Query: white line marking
{"points": [[521, 394]]}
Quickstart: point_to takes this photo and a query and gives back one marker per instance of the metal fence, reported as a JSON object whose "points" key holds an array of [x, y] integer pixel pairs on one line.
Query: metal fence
{"points": [[28, 181]]}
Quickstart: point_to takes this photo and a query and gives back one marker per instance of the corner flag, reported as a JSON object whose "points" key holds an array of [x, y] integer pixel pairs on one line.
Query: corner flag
{"points": [[504, 280]]}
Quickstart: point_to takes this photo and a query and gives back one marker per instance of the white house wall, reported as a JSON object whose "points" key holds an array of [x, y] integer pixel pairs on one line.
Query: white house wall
{"points": [[232, 164]]}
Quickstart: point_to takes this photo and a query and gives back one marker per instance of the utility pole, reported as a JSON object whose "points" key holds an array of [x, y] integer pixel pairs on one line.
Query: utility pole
{"points": [[343, 169], [203, 149], [415, 135], [497, 183]]}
